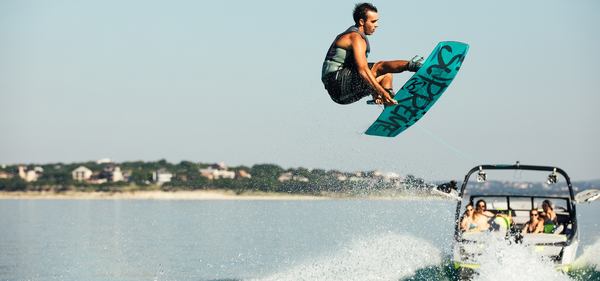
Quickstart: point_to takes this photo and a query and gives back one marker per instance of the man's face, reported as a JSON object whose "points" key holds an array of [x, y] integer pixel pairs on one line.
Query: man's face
{"points": [[371, 23]]}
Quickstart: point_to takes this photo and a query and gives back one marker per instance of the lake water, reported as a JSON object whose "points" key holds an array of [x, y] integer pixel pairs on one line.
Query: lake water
{"points": [[250, 240]]}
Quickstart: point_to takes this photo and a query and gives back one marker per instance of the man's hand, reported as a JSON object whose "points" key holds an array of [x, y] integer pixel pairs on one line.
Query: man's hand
{"points": [[388, 100], [384, 99]]}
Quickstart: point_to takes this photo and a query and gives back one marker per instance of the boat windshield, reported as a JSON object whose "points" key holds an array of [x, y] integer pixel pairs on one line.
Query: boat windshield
{"points": [[521, 203], [517, 182]]}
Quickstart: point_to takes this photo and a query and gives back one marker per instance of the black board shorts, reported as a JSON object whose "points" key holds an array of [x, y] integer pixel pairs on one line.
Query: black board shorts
{"points": [[346, 86]]}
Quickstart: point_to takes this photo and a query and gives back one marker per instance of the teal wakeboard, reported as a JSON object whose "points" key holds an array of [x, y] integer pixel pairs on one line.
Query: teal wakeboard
{"points": [[421, 91]]}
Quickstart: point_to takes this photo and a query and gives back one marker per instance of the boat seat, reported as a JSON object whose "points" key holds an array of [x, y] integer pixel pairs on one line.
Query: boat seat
{"points": [[543, 238]]}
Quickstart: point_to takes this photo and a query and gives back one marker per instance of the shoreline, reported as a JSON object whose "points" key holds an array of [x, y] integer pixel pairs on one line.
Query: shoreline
{"points": [[185, 195], [153, 195]]}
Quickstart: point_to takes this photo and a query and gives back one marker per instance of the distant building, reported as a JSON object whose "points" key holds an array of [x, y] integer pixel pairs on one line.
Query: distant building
{"points": [[392, 175], [117, 174], [288, 176], [5, 175], [112, 173], [161, 177], [81, 174], [219, 166], [30, 175], [341, 177], [217, 171], [213, 174], [243, 174], [104, 161]]}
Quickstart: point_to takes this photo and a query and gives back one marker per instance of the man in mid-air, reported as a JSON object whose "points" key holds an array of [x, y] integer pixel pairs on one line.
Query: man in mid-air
{"points": [[347, 75]]}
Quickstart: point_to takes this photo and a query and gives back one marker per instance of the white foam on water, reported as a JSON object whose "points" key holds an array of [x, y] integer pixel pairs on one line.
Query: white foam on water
{"points": [[388, 256], [590, 256], [508, 261]]}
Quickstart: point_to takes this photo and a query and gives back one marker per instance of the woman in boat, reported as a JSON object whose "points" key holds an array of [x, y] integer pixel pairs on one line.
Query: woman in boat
{"points": [[549, 217], [482, 216], [549, 213], [468, 221], [535, 223]]}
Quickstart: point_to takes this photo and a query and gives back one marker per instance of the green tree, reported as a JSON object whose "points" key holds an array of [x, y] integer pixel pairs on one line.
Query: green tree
{"points": [[264, 177], [13, 184]]}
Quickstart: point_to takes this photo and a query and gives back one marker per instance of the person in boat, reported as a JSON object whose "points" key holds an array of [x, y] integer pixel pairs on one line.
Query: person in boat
{"points": [[549, 217], [468, 221], [549, 214], [482, 216], [346, 74], [535, 223]]}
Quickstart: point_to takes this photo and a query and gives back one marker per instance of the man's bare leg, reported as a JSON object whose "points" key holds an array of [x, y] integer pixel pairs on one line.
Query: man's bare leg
{"points": [[385, 67], [384, 79], [383, 70]]}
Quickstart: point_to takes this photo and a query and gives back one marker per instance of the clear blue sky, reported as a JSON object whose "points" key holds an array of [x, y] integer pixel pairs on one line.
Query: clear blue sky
{"points": [[239, 81]]}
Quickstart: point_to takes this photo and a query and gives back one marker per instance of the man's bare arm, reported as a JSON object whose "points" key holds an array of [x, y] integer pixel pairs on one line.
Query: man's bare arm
{"points": [[359, 47]]}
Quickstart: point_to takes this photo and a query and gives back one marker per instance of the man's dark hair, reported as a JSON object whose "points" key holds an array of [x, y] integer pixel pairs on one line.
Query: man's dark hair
{"points": [[360, 11]]}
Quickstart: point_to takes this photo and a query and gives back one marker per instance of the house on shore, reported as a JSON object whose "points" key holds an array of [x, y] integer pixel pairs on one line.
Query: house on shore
{"points": [[112, 173], [161, 176], [4, 175], [289, 176], [243, 174], [82, 173], [104, 161], [30, 175], [217, 171]]}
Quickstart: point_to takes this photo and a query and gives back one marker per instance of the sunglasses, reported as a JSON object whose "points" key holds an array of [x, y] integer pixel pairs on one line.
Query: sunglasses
{"points": [[533, 215]]}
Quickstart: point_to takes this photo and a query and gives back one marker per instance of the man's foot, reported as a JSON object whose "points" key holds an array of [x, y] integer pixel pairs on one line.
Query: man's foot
{"points": [[376, 100], [415, 64], [382, 101], [391, 91], [379, 99]]}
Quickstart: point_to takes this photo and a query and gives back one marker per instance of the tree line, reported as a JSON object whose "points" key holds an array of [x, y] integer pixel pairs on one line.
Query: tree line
{"points": [[58, 177]]}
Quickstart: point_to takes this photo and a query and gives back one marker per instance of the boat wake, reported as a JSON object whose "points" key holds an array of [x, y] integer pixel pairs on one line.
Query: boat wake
{"points": [[590, 256], [509, 261], [389, 256], [393, 256], [587, 266]]}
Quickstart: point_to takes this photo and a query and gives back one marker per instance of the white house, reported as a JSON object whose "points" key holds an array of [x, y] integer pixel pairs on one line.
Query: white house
{"points": [[112, 173], [213, 174], [218, 171], [288, 176], [104, 161], [81, 174], [161, 177], [30, 175], [117, 174]]}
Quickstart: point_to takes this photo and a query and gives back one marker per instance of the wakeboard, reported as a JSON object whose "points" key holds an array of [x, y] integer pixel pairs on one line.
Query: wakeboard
{"points": [[422, 90], [587, 195]]}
